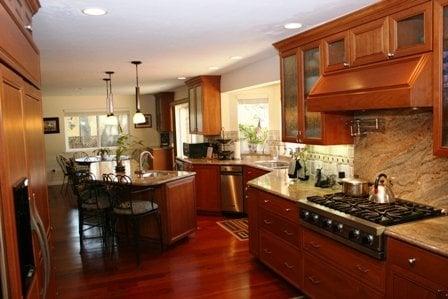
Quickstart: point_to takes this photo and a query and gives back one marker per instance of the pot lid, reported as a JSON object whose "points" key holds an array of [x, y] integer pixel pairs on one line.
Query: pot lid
{"points": [[354, 181]]}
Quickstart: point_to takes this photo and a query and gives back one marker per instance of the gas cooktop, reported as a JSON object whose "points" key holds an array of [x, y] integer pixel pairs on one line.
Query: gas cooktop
{"points": [[400, 211], [358, 222]]}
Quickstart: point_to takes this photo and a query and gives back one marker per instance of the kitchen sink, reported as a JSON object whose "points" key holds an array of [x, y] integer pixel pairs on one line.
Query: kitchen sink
{"points": [[154, 174], [273, 164]]}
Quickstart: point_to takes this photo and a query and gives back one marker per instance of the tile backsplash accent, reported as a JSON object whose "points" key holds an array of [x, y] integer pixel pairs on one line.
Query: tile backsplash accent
{"points": [[404, 153]]}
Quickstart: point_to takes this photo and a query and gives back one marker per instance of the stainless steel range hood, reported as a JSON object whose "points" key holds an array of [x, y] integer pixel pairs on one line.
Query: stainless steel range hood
{"points": [[403, 83]]}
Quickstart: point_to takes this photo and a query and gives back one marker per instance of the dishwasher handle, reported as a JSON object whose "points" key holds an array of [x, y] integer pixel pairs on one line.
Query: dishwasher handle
{"points": [[231, 173]]}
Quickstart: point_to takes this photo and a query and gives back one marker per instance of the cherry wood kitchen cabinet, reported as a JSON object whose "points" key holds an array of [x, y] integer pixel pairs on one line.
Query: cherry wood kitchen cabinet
{"points": [[414, 272], [208, 191], [440, 56], [204, 97], [274, 234], [336, 52], [163, 111], [163, 158]]}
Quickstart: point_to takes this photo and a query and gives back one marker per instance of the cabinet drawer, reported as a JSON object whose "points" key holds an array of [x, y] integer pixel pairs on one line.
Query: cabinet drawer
{"points": [[322, 281], [281, 257], [280, 227], [418, 261], [363, 267], [283, 207]]}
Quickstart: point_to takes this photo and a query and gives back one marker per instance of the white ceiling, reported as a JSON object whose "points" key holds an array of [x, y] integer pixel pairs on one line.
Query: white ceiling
{"points": [[172, 38]]}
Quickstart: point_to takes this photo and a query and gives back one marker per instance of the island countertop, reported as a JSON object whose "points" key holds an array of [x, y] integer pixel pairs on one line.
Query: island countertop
{"points": [[150, 178]]}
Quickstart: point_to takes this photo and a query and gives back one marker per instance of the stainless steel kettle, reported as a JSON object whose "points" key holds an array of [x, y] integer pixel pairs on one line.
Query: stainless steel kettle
{"points": [[381, 191]]}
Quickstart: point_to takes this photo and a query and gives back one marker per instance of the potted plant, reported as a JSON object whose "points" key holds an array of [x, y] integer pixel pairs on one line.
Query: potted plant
{"points": [[125, 144], [254, 135], [102, 152]]}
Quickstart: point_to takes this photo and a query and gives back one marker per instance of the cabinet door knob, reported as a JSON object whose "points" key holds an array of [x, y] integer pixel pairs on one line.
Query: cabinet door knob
{"points": [[267, 251], [314, 245], [362, 269], [346, 64], [412, 261], [266, 201], [390, 55], [288, 265], [288, 233], [313, 279], [287, 210]]}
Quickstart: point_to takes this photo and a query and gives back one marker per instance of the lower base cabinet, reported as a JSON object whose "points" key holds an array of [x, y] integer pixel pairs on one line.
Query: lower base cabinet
{"points": [[322, 281], [281, 257]]}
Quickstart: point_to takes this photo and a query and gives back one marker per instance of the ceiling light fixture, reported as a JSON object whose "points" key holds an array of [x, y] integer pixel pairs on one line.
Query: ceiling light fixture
{"points": [[138, 118], [109, 94], [235, 57], [293, 26], [94, 11], [181, 78], [213, 68]]}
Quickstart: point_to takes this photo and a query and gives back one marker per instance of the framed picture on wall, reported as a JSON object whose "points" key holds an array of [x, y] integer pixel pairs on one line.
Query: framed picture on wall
{"points": [[146, 124], [51, 125]]}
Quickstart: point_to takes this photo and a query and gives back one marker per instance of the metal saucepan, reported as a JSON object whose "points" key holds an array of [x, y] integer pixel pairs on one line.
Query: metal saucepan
{"points": [[355, 187]]}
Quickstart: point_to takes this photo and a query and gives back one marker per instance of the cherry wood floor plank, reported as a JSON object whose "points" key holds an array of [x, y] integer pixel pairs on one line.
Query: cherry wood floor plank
{"points": [[209, 264]]}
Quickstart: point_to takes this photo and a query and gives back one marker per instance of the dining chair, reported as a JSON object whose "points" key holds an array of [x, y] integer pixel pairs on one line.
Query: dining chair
{"points": [[93, 207], [63, 164], [132, 203]]}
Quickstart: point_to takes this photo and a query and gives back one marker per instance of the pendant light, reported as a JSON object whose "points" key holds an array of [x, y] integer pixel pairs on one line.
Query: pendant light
{"points": [[110, 96], [107, 95], [138, 118]]}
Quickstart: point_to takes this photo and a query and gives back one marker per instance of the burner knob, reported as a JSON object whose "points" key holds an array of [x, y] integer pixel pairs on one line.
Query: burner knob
{"points": [[329, 223], [316, 218], [370, 239], [339, 228], [306, 214], [356, 233]]}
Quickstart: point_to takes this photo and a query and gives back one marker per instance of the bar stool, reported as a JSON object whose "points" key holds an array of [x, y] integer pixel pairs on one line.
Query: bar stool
{"points": [[132, 204]]}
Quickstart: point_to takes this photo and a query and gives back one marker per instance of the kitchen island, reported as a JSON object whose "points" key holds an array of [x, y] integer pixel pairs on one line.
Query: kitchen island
{"points": [[175, 194]]}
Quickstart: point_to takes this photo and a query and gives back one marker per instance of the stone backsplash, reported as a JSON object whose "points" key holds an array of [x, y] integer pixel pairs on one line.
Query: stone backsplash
{"points": [[404, 152]]}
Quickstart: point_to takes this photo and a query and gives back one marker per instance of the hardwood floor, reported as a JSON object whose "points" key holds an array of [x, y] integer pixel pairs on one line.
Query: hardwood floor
{"points": [[210, 264]]}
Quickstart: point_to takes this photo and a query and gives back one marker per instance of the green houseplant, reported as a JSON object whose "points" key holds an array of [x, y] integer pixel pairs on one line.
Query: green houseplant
{"points": [[102, 152], [126, 144], [254, 135]]}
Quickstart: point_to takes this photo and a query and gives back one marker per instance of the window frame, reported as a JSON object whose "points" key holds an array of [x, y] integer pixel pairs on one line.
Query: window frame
{"points": [[97, 118]]}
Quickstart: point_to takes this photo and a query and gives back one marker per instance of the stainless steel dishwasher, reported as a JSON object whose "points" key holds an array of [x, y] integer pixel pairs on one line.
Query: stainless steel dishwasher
{"points": [[232, 189]]}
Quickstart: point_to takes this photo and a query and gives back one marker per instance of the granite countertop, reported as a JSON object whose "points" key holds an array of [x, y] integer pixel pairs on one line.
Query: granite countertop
{"points": [[430, 234], [161, 177]]}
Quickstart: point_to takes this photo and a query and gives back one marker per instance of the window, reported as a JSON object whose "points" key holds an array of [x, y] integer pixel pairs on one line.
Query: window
{"points": [[252, 112], [91, 131], [183, 135]]}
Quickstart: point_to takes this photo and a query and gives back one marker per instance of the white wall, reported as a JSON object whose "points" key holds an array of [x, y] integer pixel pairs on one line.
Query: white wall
{"points": [[260, 72], [54, 106]]}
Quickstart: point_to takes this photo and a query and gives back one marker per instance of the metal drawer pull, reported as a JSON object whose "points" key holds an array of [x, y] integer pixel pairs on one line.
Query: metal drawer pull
{"points": [[267, 251], [266, 201], [362, 269], [288, 210], [288, 265], [267, 221], [315, 245], [287, 232], [412, 261], [313, 280]]}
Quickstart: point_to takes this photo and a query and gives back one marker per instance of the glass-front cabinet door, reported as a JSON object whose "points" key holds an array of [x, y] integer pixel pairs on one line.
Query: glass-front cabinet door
{"points": [[411, 31], [192, 110], [199, 114], [441, 78], [336, 52], [311, 71], [290, 113]]}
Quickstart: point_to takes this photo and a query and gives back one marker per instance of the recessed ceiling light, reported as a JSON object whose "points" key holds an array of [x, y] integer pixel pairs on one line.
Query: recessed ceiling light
{"points": [[293, 26], [181, 78], [94, 11], [213, 68], [235, 57]]}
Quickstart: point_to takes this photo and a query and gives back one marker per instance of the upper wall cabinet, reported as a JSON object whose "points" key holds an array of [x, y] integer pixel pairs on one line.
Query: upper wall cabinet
{"points": [[336, 52], [204, 97], [411, 31], [369, 42], [441, 78], [163, 111], [289, 83]]}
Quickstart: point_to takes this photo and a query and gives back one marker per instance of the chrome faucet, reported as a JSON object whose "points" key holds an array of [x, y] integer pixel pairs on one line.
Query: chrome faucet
{"points": [[140, 163]]}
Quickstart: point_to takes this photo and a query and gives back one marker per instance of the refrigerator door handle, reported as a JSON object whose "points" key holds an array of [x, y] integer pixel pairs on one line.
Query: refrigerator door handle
{"points": [[38, 226]]}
